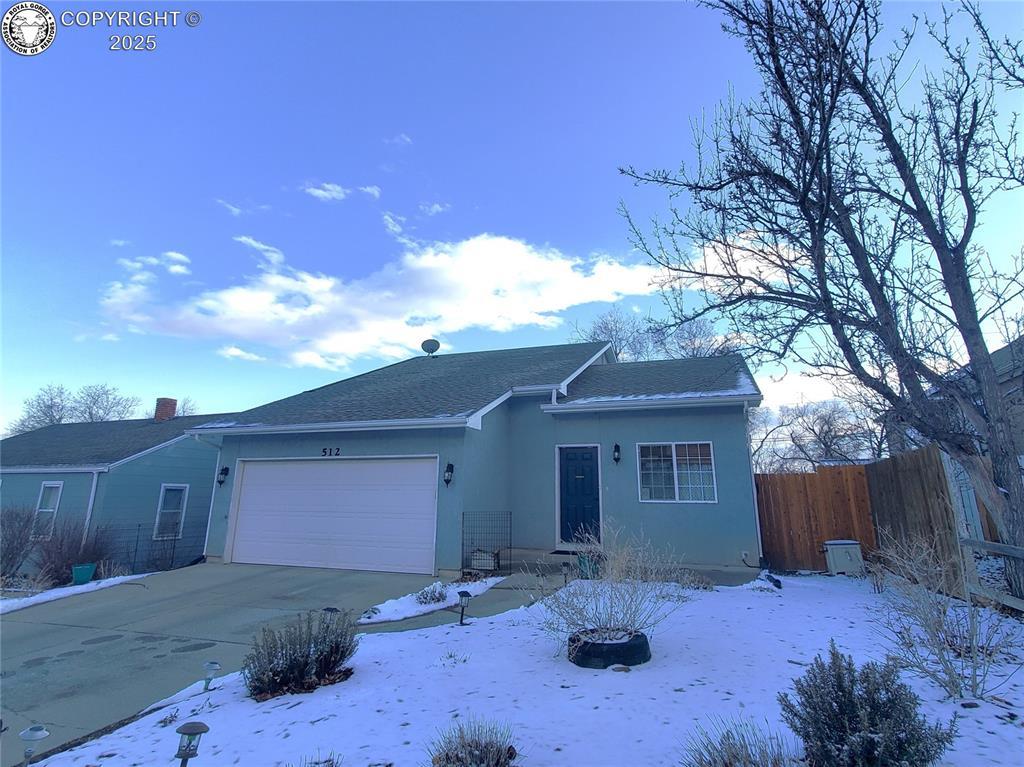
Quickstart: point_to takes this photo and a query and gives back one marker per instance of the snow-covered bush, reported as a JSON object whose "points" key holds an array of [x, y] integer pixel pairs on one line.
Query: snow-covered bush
{"points": [[433, 594], [861, 718], [932, 631], [737, 744], [308, 652], [474, 743], [630, 595]]}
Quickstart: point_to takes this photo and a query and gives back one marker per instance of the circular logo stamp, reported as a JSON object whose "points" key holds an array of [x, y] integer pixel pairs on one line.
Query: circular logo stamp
{"points": [[28, 28]]}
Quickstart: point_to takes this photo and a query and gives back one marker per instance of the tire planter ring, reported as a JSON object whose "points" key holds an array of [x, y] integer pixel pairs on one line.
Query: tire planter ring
{"points": [[601, 655]]}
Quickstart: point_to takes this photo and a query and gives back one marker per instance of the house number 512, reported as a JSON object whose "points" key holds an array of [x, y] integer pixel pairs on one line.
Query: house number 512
{"points": [[330, 451]]}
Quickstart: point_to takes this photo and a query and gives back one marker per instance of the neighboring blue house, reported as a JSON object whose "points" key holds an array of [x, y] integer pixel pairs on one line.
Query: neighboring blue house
{"points": [[449, 461], [143, 482]]}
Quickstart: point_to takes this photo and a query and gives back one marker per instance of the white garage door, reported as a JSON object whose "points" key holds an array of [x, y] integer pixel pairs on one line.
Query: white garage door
{"points": [[358, 514]]}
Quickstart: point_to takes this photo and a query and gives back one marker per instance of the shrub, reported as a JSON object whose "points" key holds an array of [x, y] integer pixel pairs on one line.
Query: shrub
{"points": [[433, 594], [55, 555], [331, 760], [933, 632], [693, 580], [737, 744], [474, 744], [16, 544], [865, 718], [629, 596], [308, 652]]}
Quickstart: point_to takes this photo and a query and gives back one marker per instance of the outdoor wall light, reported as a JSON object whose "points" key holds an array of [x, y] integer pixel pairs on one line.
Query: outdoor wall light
{"points": [[211, 667], [30, 736], [222, 474], [616, 453], [449, 471], [188, 746], [464, 597]]}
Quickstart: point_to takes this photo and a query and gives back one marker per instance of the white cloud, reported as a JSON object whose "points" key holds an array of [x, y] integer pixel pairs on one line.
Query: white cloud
{"points": [[393, 222], [327, 192], [794, 388], [272, 256], [233, 352], [434, 208], [372, 191], [110, 337], [314, 319], [234, 210], [178, 269], [400, 140], [120, 243]]}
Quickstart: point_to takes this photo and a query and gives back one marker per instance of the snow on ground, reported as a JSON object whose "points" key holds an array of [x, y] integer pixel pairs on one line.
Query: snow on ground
{"points": [[9, 605], [724, 654], [407, 606]]}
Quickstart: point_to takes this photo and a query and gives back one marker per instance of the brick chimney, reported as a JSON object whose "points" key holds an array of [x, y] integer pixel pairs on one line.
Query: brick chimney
{"points": [[165, 408]]}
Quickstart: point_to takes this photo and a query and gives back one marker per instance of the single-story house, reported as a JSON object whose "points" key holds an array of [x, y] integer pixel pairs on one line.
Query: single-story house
{"points": [[143, 482], [408, 467]]}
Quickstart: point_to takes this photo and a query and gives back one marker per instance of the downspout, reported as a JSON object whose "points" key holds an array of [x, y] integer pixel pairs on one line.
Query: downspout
{"points": [[753, 487], [88, 510]]}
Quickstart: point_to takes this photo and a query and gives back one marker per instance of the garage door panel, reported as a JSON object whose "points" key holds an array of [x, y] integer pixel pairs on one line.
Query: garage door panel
{"points": [[372, 514]]}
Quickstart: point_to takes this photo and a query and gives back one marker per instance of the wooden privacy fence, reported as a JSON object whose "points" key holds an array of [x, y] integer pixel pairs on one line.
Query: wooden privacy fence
{"points": [[798, 512]]}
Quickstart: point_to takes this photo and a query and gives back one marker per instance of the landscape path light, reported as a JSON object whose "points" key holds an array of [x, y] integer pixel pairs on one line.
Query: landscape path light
{"points": [[30, 736], [211, 667], [565, 573], [188, 746], [464, 597]]}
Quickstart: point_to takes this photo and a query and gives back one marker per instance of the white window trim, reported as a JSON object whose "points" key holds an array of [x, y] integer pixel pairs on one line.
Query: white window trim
{"points": [[59, 484], [159, 511], [675, 471]]}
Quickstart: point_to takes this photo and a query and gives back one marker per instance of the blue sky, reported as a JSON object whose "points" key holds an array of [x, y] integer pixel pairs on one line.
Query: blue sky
{"points": [[291, 193]]}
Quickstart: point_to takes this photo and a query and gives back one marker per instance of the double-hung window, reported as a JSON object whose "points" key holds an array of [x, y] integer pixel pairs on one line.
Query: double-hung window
{"points": [[677, 472], [170, 513], [46, 510]]}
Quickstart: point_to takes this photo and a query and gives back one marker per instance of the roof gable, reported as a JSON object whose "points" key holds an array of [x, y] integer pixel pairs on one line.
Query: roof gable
{"points": [[98, 443], [693, 378]]}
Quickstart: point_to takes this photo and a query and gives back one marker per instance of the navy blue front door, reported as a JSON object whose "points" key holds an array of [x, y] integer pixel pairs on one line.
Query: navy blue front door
{"points": [[579, 493]]}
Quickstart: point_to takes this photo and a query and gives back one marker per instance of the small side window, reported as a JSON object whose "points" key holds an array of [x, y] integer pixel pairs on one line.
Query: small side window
{"points": [[170, 513], [46, 510]]}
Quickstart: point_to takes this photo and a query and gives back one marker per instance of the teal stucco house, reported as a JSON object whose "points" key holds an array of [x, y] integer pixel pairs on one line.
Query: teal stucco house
{"points": [[143, 484], [450, 461]]}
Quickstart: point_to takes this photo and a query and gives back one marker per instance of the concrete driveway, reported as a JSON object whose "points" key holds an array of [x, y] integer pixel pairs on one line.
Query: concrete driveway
{"points": [[84, 662]]}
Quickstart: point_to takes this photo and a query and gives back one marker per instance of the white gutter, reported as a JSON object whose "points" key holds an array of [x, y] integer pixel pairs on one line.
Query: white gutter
{"points": [[649, 404], [564, 386], [391, 424], [88, 510], [476, 420], [52, 469], [213, 497]]}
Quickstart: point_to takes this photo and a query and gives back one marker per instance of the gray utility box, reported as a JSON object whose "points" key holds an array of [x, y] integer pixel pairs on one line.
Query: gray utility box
{"points": [[844, 557]]}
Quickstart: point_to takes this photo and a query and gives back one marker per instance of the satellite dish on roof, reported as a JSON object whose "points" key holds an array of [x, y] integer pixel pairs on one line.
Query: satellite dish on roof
{"points": [[430, 346]]}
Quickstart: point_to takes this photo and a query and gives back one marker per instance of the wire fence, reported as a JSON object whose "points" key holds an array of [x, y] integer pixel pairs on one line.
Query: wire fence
{"points": [[133, 548], [487, 542]]}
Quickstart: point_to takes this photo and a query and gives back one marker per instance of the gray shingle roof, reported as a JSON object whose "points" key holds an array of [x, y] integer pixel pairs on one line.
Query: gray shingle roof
{"points": [[442, 386], [93, 444], [723, 376]]}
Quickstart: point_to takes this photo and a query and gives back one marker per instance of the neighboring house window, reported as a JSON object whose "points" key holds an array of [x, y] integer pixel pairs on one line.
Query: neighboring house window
{"points": [[171, 512], [682, 472], [46, 510]]}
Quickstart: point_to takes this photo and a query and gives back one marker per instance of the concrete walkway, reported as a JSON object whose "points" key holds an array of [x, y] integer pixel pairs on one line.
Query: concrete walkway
{"points": [[81, 663]]}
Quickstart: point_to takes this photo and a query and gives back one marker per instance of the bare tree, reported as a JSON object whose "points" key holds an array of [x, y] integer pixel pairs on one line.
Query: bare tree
{"points": [[50, 405], [102, 402], [833, 220], [187, 406], [57, 404], [637, 339]]}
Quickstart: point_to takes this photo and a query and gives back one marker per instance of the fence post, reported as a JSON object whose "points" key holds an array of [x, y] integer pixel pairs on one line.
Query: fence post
{"points": [[135, 551]]}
